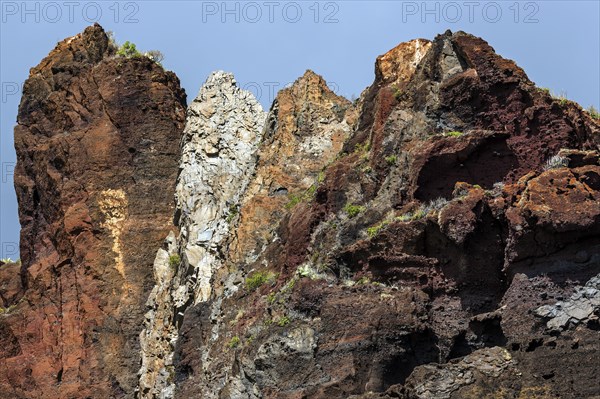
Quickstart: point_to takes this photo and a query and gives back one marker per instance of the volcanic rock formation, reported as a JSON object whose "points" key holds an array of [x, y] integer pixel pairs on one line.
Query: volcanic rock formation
{"points": [[438, 238], [223, 129], [97, 145], [416, 247]]}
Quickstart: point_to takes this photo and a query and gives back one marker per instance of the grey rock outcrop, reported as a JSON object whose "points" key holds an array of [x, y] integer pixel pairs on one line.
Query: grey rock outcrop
{"points": [[583, 306], [304, 131], [223, 129], [434, 381]]}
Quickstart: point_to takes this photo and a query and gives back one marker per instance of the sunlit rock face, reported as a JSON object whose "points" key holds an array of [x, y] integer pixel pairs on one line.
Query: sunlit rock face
{"points": [[97, 146], [223, 129], [418, 261], [437, 238]]}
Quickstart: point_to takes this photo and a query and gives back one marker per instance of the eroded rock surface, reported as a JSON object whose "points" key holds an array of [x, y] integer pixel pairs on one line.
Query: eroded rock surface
{"points": [[97, 147], [420, 243], [423, 250], [223, 129], [303, 132]]}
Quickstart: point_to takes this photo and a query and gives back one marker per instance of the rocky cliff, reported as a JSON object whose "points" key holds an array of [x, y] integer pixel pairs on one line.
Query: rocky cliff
{"points": [[97, 146], [419, 263], [438, 238], [223, 129]]}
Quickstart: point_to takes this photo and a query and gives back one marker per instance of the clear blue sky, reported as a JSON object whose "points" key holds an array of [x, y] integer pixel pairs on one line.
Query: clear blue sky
{"points": [[268, 44]]}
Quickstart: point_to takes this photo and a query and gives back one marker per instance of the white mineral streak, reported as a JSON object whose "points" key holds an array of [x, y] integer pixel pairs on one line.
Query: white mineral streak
{"points": [[223, 129]]}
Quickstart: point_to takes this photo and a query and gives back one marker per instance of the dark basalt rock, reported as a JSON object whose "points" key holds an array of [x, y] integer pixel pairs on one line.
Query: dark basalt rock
{"points": [[402, 286]]}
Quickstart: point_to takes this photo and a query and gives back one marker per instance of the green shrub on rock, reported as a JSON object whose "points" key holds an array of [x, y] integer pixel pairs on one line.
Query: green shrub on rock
{"points": [[128, 50]]}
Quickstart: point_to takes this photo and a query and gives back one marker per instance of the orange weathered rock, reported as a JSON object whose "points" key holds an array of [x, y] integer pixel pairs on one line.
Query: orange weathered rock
{"points": [[305, 130]]}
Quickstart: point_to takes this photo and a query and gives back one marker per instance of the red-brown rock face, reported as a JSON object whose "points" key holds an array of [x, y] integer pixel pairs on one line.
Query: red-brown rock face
{"points": [[431, 257], [307, 127], [438, 239], [97, 144]]}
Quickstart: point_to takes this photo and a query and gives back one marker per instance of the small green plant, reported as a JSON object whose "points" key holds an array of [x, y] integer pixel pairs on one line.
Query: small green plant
{"points": [[290, 285], [544, 90], [593, 112], [352, 210], [362, 147], [258, 279], [454, 134], [283, 321], [418, 214], [562, 98], [391, 160], [321, 177], [232, 212], [476, 186], [234, 342], [404, 218], [174, 261], [363, 280], [271, 298], [6, 260], [397, 92], [374, 230], [306, 271], [294, 199], [128, 50]]}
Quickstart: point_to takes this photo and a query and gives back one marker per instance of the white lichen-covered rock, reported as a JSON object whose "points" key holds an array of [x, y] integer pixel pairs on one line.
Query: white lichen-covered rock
{"points": [[222, 133], [581, 307]]}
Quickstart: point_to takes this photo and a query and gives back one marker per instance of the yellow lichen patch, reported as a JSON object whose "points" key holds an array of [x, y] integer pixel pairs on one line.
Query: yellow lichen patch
{"points": [[113, 205], [541, 392]]}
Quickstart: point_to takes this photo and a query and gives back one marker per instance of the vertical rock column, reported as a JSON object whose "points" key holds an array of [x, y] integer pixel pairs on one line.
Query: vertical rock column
{"points": [[306, 128], [224, 127], [97, 146], [304, 131]]}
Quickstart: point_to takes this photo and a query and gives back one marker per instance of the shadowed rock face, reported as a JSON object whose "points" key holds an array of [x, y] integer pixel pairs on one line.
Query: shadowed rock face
{"points": [[97, 146], [414, 244]]}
